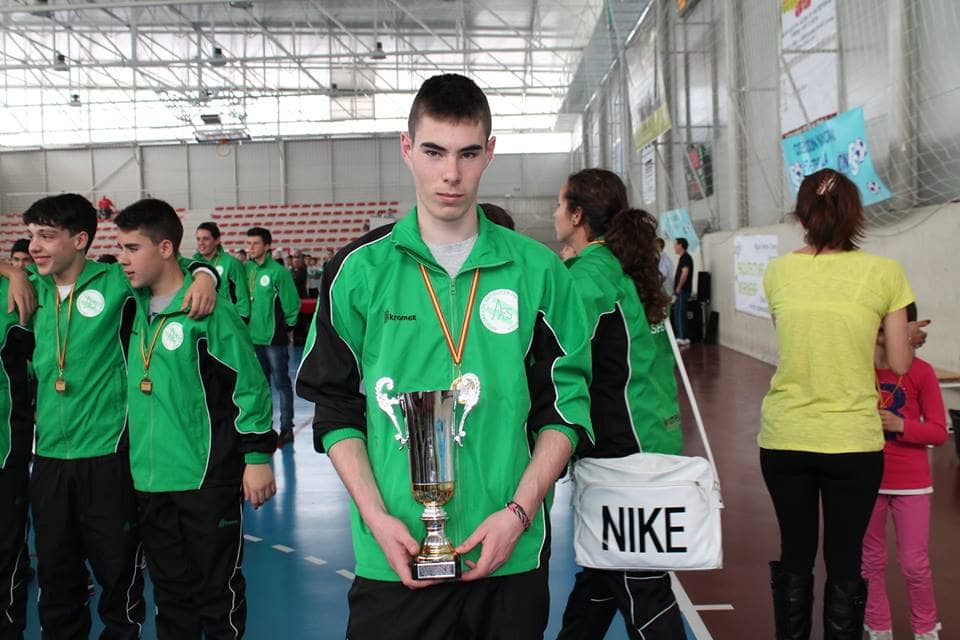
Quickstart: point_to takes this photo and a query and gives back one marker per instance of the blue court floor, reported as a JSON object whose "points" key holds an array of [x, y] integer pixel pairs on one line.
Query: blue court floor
{"points": [[298, 559]]}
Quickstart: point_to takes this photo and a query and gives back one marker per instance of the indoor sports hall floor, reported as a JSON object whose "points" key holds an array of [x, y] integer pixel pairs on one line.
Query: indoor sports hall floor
{"points": [[298, 559]]}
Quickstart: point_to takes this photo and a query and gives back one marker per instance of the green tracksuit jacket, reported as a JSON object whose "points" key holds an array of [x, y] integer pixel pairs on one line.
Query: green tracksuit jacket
{"points": [[274, 302], [633, 393], [233, 280], [527, 342], [209, 411], [89, 418], [16, 395]]}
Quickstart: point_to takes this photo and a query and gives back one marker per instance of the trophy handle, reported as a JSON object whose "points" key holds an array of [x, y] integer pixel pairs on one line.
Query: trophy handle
{"points": [[386, 404], [468, 394]]}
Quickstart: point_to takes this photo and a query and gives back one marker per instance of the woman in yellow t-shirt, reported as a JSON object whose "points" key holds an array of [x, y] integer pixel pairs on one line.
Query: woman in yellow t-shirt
{"points": [[821, 438]]}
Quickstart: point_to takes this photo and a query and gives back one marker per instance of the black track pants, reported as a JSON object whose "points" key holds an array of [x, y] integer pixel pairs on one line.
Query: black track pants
{"points": [[86, 510], [194, 545]]}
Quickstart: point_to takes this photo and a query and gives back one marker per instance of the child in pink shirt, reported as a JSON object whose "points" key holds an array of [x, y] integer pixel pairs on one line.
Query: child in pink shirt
{"points": [[911, 409]]}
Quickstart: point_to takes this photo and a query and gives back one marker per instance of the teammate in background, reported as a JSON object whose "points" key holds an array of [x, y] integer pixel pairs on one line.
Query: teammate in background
{"points": [[633, 393], [16, 441], [912, 413], [20, 253], [498, 215], [191, 473], [233, 277], [81, 493], [274, 307], [524, 338]]}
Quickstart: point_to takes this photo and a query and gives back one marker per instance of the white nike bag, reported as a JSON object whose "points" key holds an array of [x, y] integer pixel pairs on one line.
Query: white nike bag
{"points": [[649, 511]]}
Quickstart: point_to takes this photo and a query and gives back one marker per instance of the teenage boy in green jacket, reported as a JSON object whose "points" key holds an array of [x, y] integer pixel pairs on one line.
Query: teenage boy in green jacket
{"points": [[274, 307], [81, 493], [233, 276], [200, 434], [527, 342], [16, 439]]}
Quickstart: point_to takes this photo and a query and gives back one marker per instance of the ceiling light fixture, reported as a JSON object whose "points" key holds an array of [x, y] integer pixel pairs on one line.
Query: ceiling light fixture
{"points": [[60, 62], [378, 52], [218, 59], [75, 100]]}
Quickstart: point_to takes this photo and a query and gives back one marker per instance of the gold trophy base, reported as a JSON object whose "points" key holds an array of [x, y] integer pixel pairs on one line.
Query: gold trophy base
{"points": [[437, 560]]}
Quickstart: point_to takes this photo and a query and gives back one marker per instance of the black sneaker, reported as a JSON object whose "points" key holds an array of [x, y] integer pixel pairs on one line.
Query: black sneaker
{"points": [[285, 438]]}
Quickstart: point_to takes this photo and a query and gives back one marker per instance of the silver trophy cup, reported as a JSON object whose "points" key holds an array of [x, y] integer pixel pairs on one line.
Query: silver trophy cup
{"points": [[431, 420]]}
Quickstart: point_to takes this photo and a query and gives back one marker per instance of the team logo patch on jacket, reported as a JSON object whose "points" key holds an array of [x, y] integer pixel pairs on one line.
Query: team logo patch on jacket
{"points": [[90, 303], [264, 280], [172, 336], [500, 311]]}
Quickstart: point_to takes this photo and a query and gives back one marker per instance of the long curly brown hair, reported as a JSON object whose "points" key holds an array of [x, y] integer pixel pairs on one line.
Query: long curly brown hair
{"points": [[630, 234]]}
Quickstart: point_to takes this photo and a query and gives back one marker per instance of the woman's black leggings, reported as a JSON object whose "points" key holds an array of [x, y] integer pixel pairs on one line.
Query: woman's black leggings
{"points": [[847, 483]]}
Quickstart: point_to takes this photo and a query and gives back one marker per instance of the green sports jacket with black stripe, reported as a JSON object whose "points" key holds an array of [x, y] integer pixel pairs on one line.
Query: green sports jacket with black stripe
{"points": [[16, 393], [527, 342]]}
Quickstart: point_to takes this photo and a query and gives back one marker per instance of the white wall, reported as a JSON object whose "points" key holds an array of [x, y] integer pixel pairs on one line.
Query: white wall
{"points": [[201, 177], [925, 243]]}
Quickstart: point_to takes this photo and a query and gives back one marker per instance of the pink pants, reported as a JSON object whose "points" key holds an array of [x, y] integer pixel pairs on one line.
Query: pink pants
{"points": [[911, 519]]}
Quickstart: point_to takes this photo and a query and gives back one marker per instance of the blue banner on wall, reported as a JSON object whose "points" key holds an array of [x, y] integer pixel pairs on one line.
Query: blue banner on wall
{"points": [[840, 143], [676, 224]]}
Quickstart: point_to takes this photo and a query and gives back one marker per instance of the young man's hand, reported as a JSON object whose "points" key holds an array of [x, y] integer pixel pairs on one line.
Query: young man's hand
{"points": [[891, 421], [497, 536], [258, 484], [399, 547], [201, 297], [21, 296]]}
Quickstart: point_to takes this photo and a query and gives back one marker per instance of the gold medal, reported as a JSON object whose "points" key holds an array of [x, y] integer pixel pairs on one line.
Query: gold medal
{"points": [[146, 386], [60, 385]]}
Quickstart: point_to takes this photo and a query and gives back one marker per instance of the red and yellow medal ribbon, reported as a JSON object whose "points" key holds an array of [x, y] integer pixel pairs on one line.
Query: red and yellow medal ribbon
{"points": [[62, 344], [146, 355], [456, 352]]}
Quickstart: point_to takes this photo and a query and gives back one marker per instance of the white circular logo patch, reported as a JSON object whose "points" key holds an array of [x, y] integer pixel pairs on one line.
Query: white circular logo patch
{"points": [[500, 311], [90, 303], [219, 269], [172, 336], [264, 280]]}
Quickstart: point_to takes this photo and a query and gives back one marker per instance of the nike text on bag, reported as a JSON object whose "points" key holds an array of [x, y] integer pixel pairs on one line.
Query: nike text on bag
{"points": [[649, 511]]}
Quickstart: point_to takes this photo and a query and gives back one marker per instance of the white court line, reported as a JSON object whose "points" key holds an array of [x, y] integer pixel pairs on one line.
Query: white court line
{"points": [[346, 574], [713, 607], [250, 538], [689, 611], [283, 548], [315, 560]]}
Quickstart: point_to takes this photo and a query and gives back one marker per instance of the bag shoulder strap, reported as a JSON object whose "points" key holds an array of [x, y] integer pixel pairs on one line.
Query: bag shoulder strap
{"points": [[692, 398]]}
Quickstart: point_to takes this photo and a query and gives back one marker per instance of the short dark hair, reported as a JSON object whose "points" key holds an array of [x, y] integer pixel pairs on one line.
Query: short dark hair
{"points": [[830, 210], [683, 243], [498, 215], [68, 211], [661, 244], [211, 227], [450, 98], [154, 218], [21, 245], [260, 232], [107, 259]]}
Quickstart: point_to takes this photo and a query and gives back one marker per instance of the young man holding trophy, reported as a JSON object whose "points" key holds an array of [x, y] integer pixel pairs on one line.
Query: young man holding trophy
{"points": [[471, 345]]}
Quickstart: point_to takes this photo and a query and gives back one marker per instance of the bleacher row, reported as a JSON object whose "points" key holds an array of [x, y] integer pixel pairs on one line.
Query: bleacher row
{"points": [[309, 228]]}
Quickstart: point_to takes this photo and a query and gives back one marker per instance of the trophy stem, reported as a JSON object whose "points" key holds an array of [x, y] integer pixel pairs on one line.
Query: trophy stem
{"points": [[437, 558]]}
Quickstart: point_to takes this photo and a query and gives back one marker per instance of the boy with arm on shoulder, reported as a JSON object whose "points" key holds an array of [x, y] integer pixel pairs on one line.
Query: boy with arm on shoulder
{"points": [[200, 434]]}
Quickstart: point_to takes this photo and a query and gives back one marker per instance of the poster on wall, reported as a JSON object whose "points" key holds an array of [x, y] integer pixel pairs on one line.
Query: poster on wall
{"points": [[751, 254], [839, 143], [809, 89], [676, 223], [699, 171], [649, 115], [648, 168]]}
